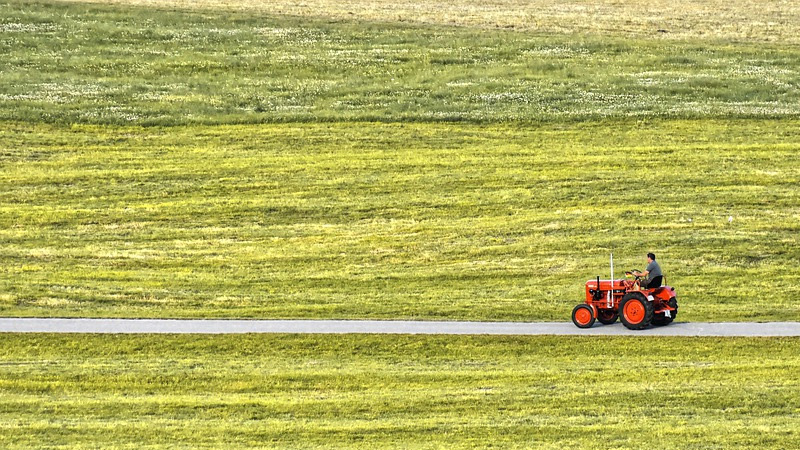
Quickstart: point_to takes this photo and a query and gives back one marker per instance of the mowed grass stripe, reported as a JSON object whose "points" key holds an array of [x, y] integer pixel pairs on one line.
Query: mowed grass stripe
{"points": [[118, 64], [738, 20], [399, 391], [395, 221]]}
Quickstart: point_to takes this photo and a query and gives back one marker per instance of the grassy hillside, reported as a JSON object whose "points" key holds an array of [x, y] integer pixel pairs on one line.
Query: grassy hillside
{"points": [[739, 20], [70, 62], [397, 392], [395, 220], [368, 159], [386, 170]]}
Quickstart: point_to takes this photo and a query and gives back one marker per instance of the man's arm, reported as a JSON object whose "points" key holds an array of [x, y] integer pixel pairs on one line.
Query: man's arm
{"points": [[646, 270]]}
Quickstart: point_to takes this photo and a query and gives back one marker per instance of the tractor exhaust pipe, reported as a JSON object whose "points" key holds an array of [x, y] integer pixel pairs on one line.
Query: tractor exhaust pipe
{"points": [[611, 291], [612, 269]]}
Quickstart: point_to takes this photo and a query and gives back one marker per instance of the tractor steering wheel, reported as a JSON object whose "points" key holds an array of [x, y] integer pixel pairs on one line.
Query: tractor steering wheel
{"points": [[631, 273]]}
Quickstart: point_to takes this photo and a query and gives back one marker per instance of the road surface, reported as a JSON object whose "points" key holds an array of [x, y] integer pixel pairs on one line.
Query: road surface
{"points": [[202, 326]]}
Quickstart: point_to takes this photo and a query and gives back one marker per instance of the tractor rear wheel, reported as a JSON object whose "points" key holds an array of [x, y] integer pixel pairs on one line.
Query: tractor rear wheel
{"points": [[583, 316], [635, 311], [662, 319], [607, 316]]}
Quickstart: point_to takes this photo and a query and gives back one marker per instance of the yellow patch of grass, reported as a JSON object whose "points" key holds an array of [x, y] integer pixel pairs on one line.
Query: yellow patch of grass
{"points": [[418, 392], [773, 21]]}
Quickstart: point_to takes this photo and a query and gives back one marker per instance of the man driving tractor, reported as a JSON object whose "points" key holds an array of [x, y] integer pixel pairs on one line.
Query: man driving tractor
{"points": [[637, 303], [652, 273]]}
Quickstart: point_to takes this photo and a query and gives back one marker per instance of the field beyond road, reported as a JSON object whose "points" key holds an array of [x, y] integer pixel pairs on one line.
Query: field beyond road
{"points": [[399, 391], [412, 159], [395, 221], [741, 20], [256, 162], [125, 65]]}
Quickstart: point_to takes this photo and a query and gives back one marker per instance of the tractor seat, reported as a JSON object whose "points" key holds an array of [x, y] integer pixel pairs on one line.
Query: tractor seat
{"points": [[655, 282]]}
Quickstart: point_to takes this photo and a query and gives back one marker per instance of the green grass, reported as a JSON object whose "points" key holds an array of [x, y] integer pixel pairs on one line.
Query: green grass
{"points": [[387, 221], [103, 64], [175, 163], [319, 160], [398, 392], [734, 20]]}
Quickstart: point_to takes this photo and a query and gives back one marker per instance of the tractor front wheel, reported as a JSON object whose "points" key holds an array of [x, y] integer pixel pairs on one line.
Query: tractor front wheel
{"points": [[607, 316], [583, 316], [635, 311]]}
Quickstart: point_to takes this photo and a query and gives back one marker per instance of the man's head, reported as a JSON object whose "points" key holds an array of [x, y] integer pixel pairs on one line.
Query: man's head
{"points": [[651, 257]]}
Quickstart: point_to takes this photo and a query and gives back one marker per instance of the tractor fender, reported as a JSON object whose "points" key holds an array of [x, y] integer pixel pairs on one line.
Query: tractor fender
{"points": [[664, 293]]}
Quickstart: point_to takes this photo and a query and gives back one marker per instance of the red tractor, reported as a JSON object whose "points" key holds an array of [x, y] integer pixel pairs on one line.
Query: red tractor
{"points": [[636, 306]]}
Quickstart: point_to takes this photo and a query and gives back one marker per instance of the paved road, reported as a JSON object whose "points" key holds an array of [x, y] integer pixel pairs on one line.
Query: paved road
{"points": [[9, 325]]}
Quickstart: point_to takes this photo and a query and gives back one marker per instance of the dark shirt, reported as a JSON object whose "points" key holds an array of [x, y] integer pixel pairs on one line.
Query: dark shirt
{"points": [[653, 270]]}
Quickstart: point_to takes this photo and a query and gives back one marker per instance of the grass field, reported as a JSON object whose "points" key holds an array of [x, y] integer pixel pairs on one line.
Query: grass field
{"points": [[368, 169], [395, 221], [392, 392], [75, 63], [740, 20], [407, 159]]}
